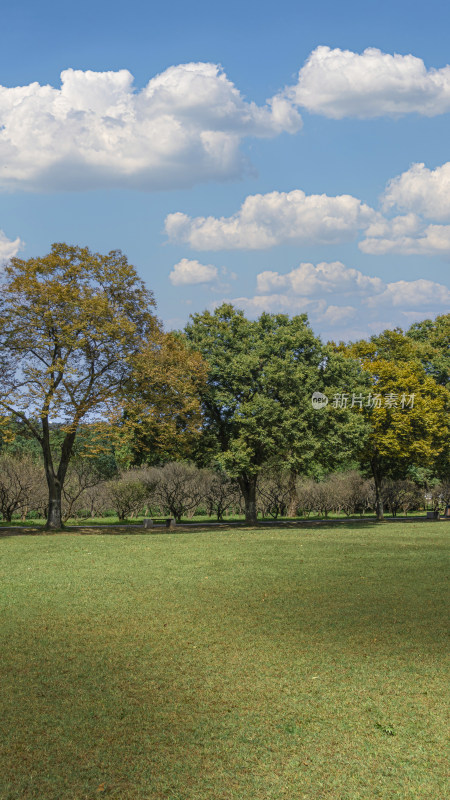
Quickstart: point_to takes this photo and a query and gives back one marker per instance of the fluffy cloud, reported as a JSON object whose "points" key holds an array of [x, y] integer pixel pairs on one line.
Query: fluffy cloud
{"points": [[407, 234], [336, 315], [307, 283], [323, 315], [191, 272], [187, 124], [430, 240], [276, 218], [8, 248], [95, 130], [363, 302], [273, 303], [407, 294], [425, 195], [307, 279], [340, 83], [422, 191], [265, 220]]}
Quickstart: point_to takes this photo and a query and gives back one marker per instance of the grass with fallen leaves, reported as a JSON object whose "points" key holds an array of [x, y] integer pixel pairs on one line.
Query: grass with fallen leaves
{"points": [[257, 664]]}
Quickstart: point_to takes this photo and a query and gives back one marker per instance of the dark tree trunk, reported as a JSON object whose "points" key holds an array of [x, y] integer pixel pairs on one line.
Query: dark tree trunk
{"points": [[54, 516], [292, 509], [247, 485], [55, 480], [378, 480]]}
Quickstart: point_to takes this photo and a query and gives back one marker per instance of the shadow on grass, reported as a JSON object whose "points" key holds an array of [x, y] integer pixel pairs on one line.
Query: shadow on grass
{"points": [[133, 529]]}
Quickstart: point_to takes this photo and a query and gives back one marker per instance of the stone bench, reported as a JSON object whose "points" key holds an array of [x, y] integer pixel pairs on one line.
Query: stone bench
{"points": [[169, 522]]}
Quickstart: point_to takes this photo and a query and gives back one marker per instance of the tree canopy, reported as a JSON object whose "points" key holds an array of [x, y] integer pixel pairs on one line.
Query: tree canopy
{"points": [[257, 398], [72, 324], [409, 410]]}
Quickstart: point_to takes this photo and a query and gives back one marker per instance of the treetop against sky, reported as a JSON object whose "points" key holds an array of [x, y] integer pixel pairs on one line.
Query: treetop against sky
{"points": [[282, 157]]}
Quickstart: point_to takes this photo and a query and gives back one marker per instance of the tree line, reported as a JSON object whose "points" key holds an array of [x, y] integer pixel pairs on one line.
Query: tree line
{"points": [[181, 490], [91, 387]]}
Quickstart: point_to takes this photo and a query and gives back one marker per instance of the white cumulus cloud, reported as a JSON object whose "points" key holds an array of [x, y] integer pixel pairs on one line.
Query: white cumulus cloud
{"points": [[266, 220], [188, 272], [96, 130], [424, 195], [430, 240], [326, 277], [407, 294], [336, 315], [273, 303], [340, 83], [8, 248], [360, 303], [422, 191]]}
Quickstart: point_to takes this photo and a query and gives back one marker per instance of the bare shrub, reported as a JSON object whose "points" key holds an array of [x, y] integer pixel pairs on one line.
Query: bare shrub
{"points": [[440, 495], [353, 494], [179, 488], [127, 495], [274, 493], [20, 479], [95, 501], [401, 495], [306, 493], [83, 474], [220, 493]]}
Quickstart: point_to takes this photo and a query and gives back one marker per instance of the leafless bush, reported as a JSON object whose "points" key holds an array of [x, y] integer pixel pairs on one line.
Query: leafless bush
{"points": [[401, 495], [94, 502], [20, 479], [306, 493], [352, 493], [179, 488], [325, 497], [83, 474], [220, 493], [274, 493], [440, 495], [127, 495], [348, 492]]}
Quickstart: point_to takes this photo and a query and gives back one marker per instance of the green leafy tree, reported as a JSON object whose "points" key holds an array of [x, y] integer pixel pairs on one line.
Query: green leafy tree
{"points": [[257, 397], [432, 339]]}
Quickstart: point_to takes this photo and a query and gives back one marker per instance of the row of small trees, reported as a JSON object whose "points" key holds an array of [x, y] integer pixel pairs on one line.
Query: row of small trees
{"points": [[180, 490]]}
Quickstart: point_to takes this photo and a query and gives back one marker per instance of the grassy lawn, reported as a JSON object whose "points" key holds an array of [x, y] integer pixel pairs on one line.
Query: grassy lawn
{"points": [[225, 665]]}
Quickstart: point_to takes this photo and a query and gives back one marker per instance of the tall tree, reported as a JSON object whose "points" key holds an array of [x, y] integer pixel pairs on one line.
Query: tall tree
{"points": [[257, 398], [71, 324], [407, 409]]}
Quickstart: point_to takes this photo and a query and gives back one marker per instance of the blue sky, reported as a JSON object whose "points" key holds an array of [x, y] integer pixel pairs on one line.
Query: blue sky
{"points": [[285, 156]]}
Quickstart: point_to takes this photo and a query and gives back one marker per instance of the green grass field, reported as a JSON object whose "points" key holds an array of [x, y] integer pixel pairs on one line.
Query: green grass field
{"points": [[225, 665]]}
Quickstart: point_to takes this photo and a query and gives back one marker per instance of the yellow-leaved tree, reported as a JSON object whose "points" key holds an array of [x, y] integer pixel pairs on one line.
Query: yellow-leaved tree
{"points": [[407, 409], [73, 326], [162, 413]]}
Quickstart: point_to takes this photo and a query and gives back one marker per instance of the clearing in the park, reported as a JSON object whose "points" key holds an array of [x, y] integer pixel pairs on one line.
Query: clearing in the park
{"points": [[261, 664]]}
